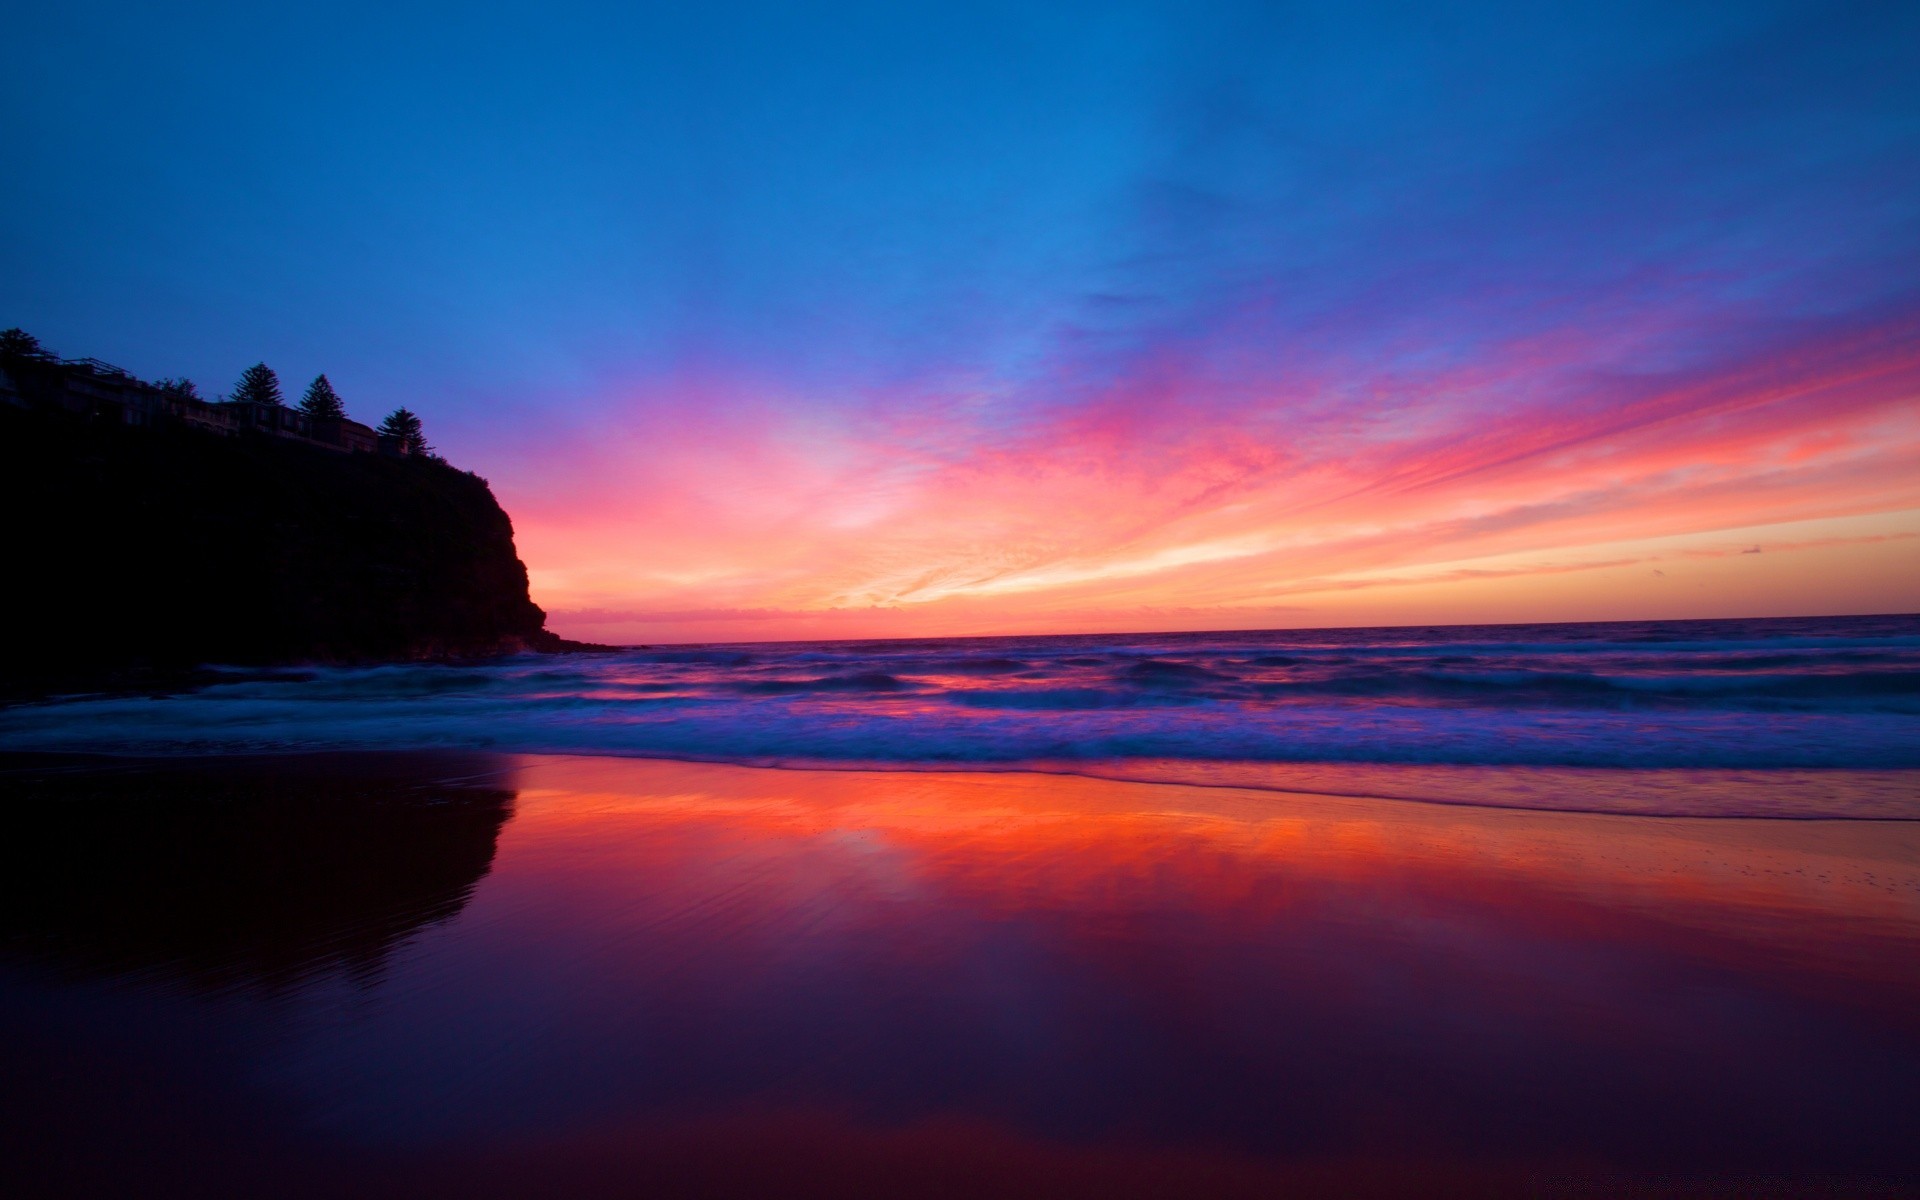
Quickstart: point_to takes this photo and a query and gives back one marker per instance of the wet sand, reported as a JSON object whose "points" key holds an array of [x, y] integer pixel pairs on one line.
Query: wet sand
{"points": [[518, 975]]}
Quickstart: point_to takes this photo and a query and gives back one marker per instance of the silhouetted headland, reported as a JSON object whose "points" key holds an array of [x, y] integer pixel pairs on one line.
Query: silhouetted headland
{"points": [[151, 531]]}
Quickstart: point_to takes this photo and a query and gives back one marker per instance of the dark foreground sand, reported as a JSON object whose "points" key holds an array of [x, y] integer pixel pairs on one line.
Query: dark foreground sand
{"points": [[490, 975]]}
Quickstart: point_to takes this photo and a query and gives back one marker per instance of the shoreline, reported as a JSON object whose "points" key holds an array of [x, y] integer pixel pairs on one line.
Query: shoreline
{"points": [[1139, 772], [1298, 989], [160, 681], [1043, 796]]}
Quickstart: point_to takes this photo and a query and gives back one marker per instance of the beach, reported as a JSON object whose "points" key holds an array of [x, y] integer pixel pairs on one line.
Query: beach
{"points": [[477, 972], [1145, 601]]}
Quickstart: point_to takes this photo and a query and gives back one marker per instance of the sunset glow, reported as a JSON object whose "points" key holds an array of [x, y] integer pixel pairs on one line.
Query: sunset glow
{"points": [[1138, 600], [1791, 484], [770, 324]]}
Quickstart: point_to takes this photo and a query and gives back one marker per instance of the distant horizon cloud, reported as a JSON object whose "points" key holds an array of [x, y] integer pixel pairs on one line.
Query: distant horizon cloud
{"points": [[861, 321]]}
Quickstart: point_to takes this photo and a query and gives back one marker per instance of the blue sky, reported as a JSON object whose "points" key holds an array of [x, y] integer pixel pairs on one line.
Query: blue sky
{"points": [[962, 227]]}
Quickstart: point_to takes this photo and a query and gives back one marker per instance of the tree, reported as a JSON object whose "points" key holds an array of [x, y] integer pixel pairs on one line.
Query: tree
{"points": [[258, 385], [322, 402], [18, 343], [404, 425], [180, 389]]}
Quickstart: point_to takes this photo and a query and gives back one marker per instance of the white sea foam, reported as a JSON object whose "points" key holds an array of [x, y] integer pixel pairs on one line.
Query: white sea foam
{"points": [[1812, 697]]}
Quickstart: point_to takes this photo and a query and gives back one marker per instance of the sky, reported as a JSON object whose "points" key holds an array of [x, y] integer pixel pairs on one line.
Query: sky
{"points": [[774, 321]]}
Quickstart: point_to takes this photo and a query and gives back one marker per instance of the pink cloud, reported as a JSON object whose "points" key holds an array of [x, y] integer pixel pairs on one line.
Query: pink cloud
{"points": [[722, 506]]}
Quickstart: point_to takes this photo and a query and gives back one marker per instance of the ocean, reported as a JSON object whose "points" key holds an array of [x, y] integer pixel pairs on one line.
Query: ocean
{"points": [[1486, 911], [1806, 717]]}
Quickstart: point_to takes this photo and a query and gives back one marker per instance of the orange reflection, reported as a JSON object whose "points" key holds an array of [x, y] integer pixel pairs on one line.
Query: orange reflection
{"points": [[684, 979], [1819, 903], [1101, 980]]}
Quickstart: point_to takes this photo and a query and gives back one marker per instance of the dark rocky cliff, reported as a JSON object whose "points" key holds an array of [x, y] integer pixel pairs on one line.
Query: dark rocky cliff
{"points": [[140, 552]]}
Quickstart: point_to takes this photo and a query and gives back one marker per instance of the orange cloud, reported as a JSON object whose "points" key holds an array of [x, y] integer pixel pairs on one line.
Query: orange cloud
{"points": [[1157, 500]]}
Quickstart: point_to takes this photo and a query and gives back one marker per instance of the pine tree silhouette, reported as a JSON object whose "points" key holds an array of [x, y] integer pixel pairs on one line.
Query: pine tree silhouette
{"points": [[404, 425], [258, 385], [322, 402], [18, 343]]}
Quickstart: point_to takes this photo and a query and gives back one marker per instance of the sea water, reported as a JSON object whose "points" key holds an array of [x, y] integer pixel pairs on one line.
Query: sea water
{"points": [[240, 963], [1807, 717]]}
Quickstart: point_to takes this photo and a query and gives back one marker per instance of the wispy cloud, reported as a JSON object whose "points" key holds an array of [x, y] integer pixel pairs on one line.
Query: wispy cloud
{"points": [[1342, 332]]}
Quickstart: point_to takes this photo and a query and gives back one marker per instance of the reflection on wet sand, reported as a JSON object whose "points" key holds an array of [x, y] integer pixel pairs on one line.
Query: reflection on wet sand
{"points": [[712, 980]]}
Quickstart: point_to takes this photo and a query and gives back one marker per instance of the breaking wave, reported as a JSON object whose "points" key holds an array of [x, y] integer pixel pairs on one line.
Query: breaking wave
{"points": [[1816, 697]]}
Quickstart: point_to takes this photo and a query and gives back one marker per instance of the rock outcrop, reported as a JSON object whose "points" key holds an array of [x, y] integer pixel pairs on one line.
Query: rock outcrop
{"points": [[138, 553]]}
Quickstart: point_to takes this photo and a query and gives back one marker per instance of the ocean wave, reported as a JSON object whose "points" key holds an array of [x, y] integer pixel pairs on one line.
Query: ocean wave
{"points": [[862, 681], [1775, 696]]}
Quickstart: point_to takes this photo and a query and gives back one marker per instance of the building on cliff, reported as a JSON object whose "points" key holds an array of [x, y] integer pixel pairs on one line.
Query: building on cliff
{"points": [[109, 395]]}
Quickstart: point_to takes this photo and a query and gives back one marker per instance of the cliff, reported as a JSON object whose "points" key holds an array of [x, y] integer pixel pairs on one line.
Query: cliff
{"points": [[136, 553]]}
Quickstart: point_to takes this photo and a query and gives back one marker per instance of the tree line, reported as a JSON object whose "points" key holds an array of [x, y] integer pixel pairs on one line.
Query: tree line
{"points": [[258, 385]]}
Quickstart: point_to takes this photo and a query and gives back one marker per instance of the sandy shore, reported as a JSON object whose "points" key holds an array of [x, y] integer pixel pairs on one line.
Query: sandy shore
{"points": [[648, 977]]}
